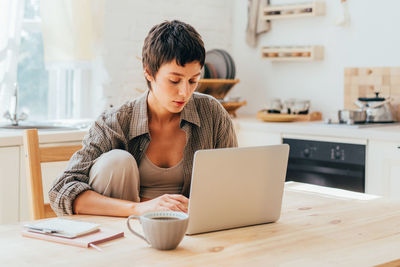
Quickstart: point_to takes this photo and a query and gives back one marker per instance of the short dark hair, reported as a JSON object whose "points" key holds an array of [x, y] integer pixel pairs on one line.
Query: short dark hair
{"points": [[171, 40]]}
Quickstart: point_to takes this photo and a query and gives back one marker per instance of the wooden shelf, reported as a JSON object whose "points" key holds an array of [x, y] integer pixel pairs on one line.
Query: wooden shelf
{"points": [[220, 81], [216, 87], [231, 107], [315, 8], [293, 53]]}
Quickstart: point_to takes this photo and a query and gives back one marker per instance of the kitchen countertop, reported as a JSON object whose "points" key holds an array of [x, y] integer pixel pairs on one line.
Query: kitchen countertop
{"points": [[389, 132], [14, 137], [249, 122]]}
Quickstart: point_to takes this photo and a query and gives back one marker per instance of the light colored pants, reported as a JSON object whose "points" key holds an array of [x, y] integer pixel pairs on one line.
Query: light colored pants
{"points": [[115, 174]]}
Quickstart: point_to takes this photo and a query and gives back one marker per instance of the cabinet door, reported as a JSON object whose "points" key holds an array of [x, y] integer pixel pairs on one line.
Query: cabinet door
{"points": [[257, 138], [50, 172], [9, 184], [383, 169]]}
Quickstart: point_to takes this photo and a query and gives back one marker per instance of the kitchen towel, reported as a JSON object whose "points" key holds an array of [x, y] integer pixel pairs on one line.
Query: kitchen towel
{"points": [[255, 24]]}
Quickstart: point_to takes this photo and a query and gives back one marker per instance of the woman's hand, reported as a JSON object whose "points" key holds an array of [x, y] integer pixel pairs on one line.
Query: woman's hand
{"points": [[166, 202]]}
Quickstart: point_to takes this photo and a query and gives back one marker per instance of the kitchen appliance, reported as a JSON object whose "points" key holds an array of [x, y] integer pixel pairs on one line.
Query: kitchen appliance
{"points": [[351, 116], [374, 111], [378, 109], [332, 164]]}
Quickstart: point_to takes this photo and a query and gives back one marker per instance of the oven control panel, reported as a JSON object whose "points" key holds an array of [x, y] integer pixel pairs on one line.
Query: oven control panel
{"points": [[326, 151], [337, 153]]}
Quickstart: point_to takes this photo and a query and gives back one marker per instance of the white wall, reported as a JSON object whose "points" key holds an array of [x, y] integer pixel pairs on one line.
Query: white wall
{"points": [[126, 24], [371, 39]]}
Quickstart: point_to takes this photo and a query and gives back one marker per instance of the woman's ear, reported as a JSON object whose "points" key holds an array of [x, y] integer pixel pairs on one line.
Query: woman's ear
{"points": [[148, 75]]}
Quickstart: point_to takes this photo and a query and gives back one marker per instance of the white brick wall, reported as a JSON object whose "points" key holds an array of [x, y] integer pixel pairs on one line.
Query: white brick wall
{"points": [[126, 24]]}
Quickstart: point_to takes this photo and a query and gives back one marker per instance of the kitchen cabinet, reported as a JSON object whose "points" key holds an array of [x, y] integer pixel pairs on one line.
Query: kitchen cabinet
{"points": [[383, 168], [14, 205], [9, 184]]}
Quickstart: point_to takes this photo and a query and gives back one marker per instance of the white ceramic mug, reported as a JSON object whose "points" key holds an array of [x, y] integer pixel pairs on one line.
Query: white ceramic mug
{"points": [[162, 229]]}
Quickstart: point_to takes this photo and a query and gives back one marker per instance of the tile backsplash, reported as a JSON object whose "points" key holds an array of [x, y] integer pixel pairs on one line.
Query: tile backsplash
{"points": [[365, 81]]}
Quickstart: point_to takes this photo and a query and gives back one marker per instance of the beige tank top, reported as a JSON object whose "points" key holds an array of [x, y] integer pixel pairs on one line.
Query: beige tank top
{"points": [[156, 181]]}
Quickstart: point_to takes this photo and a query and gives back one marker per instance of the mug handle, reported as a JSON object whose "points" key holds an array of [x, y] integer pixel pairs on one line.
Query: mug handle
{"points": [[133, 232]]}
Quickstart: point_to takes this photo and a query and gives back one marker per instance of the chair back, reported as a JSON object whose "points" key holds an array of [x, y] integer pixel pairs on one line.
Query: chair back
{"points": [[34, 156]]}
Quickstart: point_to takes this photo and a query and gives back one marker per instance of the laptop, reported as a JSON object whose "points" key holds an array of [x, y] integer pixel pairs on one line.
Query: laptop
{"points": [[236, 187]]}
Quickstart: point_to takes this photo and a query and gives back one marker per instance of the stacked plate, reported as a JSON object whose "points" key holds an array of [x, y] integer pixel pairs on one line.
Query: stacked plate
{"points": [[218, 65]]}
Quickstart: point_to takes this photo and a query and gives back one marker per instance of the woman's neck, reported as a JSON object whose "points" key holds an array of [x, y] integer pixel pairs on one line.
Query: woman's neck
{"points": [[157, 113]]}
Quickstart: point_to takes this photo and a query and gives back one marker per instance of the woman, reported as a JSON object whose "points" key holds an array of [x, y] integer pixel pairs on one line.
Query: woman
{"points": [[138, 157]]}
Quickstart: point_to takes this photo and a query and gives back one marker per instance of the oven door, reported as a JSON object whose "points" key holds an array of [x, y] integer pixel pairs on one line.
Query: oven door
{"points": [[331, 174], [338, 165]]}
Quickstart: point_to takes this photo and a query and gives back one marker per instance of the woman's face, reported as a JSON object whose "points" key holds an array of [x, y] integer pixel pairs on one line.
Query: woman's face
{"points": [[173, 85]]}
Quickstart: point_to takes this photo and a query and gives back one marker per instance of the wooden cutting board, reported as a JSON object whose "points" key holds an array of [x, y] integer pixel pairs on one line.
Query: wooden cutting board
{"points": [[364, 82], [272, 117]]}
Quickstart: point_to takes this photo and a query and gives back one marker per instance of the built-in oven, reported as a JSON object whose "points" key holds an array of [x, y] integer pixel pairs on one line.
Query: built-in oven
{"points": [[332, 164]]}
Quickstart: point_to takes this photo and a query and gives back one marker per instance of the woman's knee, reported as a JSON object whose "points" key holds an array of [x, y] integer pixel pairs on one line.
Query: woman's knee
{"points": [[116, 163], [116, 159], [115, 174]]}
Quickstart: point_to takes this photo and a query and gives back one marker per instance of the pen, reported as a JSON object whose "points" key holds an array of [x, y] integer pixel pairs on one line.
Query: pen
{"points": [[42, 230]]}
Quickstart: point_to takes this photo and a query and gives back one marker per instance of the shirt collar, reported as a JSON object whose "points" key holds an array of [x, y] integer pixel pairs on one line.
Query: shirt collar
{"points": [[189, 113], [140, 121]]}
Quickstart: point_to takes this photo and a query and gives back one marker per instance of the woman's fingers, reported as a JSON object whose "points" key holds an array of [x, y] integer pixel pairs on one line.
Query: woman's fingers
{"points": [[180, 198], [170, 206], [177, 204], [172, 203]]}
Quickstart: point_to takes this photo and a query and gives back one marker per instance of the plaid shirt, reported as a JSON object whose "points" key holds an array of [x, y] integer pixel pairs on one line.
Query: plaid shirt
{"points": [[206, 123]]}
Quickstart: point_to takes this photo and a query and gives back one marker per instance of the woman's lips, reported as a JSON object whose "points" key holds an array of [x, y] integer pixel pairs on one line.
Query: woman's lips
{"points": [[179, 103]]}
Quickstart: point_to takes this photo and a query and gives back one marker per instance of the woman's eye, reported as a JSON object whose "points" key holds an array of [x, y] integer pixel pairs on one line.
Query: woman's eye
{"points": [[190, 81]]}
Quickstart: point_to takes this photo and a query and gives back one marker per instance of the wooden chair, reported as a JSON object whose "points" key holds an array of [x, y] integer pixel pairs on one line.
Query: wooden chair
{"points": [[34, 156]]}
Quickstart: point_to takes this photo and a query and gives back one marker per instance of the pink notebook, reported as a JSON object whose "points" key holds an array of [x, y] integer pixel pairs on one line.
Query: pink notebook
{"points": [[84, 241]]}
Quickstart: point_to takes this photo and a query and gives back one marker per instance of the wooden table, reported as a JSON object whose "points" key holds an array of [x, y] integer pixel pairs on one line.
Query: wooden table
{"points": [[316, 228]]}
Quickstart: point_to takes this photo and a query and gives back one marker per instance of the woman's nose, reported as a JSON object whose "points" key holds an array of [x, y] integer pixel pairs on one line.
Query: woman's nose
{"points": [[184, 90]]}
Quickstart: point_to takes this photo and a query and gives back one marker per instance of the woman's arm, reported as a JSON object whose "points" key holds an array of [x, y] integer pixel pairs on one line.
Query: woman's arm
{"points": [[90, 202]]}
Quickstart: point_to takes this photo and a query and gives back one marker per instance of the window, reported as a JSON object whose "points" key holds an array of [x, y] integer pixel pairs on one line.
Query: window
{"points": [[32, 76], [51, 90]]}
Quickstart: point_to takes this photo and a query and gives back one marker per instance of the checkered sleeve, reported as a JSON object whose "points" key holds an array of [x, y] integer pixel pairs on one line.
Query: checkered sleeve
{"points": [[104, 135]]}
